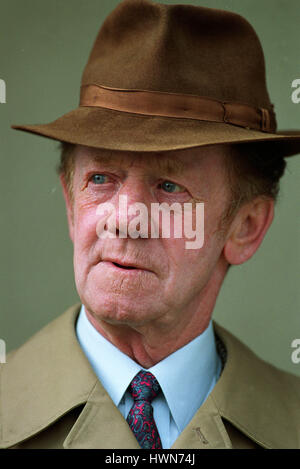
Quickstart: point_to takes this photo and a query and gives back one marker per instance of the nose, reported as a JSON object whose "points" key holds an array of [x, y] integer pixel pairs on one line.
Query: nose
{"points": [[132, 210], [133, 214]]}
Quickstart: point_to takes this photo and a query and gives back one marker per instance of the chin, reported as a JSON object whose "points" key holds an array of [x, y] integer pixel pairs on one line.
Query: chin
{"points": [[115, 309]]}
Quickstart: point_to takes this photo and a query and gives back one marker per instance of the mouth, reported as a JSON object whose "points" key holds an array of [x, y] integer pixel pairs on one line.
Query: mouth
{"points": [[125, 266]]}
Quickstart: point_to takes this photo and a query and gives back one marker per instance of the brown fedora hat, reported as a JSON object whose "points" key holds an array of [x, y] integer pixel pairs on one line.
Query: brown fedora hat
{"points": [[167, 77]]}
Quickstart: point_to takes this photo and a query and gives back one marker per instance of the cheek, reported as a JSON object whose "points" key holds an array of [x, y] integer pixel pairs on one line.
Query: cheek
{"points": [[215, 209], [190, 267], [85, 233]]}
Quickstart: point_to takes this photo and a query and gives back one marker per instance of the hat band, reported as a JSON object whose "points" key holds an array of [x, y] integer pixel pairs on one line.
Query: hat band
{"points": [[186, 106]]}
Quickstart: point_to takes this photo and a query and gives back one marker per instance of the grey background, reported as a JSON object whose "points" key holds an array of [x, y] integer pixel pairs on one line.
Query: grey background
{"points": [[44, 46]]}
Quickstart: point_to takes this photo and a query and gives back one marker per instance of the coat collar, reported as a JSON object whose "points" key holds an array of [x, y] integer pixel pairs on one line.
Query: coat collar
{"points": [[50, 375]]}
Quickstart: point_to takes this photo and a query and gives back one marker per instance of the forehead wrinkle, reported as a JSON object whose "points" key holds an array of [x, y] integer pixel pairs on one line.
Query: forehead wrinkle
{"points": [[170, 165], [163, 163], [106, 158]]}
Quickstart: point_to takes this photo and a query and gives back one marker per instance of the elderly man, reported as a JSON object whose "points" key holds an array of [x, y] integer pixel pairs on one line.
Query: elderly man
{"points": [[174, 115]]}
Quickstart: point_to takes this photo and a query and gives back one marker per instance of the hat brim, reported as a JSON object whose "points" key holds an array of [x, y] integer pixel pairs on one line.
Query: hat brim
{"points": [[115, 130]]}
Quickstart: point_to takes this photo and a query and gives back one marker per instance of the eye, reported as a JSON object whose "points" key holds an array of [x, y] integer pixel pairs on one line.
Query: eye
{"points": [[99, 178], [171, 187]]}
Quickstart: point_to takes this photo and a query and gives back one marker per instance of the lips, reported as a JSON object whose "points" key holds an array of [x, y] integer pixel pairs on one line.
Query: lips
{"points": [[128, 265]]}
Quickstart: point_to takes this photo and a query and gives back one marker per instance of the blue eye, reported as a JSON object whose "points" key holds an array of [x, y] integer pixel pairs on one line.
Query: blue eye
{"points": [[169, 186], [98, 178]]}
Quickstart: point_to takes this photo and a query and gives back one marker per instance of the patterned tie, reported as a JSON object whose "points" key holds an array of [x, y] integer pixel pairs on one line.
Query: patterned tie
{"points": [[144, 388]]}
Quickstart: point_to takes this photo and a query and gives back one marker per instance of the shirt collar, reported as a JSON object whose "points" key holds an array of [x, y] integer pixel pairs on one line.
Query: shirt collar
{"points": [[186, 376]]}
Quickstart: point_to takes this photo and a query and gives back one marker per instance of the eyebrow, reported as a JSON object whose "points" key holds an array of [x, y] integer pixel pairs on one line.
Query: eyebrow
{"points": [[164, 164]]}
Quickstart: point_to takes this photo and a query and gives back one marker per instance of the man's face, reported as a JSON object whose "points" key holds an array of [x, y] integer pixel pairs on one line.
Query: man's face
{"points": [[171, 281]]}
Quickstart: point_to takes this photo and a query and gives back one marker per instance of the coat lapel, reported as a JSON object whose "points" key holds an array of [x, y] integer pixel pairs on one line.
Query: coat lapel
{"points": [[100, 425], [205, 431]]}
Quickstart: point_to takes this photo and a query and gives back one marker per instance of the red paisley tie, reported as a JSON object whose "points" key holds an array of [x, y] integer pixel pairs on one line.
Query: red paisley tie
{"points": [[144, 388]]}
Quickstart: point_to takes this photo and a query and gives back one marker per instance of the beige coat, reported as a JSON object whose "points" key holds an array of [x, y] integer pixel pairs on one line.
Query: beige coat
{"points": [[51, 398]]}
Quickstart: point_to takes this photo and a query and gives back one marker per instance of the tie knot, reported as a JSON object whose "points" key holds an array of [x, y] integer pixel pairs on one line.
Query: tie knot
{"points": [[144, 387]]}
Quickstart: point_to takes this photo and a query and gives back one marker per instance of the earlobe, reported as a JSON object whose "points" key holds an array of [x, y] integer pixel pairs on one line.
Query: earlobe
{"points": [[69, 206], [248, 230]]}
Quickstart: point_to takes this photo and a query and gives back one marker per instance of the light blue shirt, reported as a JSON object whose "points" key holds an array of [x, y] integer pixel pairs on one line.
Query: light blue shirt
{"points": [[186, 377]]}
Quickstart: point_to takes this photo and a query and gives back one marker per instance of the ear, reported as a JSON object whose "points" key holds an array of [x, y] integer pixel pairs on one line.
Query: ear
{"points": [[69, 206], [248, 229]]}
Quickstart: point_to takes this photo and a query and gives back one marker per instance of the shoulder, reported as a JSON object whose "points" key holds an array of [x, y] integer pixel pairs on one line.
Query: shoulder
{"points": [[257, 398], [43, 379]]}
